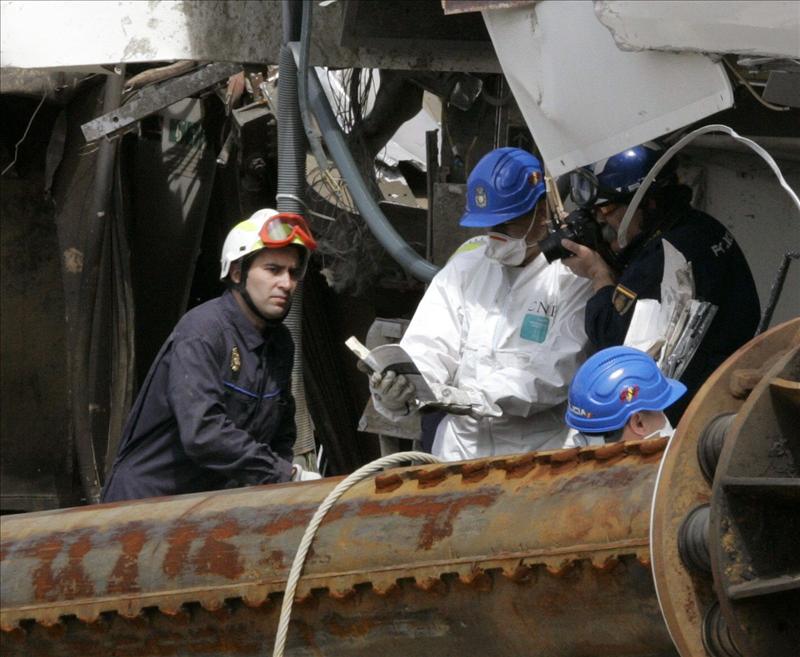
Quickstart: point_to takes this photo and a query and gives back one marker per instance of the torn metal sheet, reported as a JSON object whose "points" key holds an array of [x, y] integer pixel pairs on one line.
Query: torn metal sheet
{"points": [[156, 98], [582, 97], [464, 6], [754, 27]]}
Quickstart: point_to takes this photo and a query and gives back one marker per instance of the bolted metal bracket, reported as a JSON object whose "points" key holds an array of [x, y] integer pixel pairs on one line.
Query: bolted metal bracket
{"points": [[754, 537]]}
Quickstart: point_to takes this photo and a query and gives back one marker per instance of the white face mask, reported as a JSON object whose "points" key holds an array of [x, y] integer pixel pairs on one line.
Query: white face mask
{"points": [[506, 250], [509, 251], [667, 431]]}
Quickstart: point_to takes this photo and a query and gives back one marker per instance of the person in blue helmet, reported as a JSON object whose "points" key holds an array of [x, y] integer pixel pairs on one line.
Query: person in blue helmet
{"points": [[721, 273], [499, 331], [620, 394]]}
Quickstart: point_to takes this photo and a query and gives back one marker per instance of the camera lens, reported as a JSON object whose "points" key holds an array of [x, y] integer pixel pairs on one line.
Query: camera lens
{"points": [[583, 187], [551, 245]]}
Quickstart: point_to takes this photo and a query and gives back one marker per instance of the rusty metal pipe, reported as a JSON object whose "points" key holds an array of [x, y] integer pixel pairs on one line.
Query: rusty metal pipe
{"points": [[543, 553]]}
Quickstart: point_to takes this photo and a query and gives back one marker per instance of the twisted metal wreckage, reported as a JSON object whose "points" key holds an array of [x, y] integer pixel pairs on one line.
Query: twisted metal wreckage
{"points": [[547, 553]]}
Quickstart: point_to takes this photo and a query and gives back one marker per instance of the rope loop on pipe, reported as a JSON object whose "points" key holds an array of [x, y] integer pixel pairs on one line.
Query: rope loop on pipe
{"points": [[364, 472]]}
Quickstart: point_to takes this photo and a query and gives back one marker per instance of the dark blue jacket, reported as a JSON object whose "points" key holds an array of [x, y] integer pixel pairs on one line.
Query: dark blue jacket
{"points": [[721, 276], [215, 410]]}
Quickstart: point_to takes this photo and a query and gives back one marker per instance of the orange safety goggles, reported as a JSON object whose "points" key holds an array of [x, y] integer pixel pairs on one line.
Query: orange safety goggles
{"points": [[286, 228]]}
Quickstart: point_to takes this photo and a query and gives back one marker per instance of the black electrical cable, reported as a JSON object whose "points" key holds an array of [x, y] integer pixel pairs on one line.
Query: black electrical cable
{"points": [[384, 232]]}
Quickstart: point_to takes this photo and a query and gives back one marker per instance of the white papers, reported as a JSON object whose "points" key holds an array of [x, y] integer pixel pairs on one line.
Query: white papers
{"points": [[672, 330], [697, 317], [677, 283], [646, 331], [653, 323]]}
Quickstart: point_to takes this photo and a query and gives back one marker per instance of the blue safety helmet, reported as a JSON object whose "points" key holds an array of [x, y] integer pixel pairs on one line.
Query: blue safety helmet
{"points": [[507, 183], [614, 384], [615, 178]]}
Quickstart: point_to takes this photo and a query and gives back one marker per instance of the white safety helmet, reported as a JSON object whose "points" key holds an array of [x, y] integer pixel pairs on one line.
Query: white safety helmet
{"points": [[266, 229]]}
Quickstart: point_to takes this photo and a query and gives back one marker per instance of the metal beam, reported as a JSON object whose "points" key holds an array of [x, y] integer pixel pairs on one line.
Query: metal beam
{"points": [[156, 98], [490, 557]]}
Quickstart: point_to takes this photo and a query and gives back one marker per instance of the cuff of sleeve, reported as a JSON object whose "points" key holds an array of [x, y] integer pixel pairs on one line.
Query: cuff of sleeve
{"points": [[600, 299], [284, 469], [281, 473], [604, 293], [483, 407], [394, 416]]}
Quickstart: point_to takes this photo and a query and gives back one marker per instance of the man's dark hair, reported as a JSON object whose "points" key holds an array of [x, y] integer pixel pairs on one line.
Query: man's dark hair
{"points": [[665, 200], [670, 201]]}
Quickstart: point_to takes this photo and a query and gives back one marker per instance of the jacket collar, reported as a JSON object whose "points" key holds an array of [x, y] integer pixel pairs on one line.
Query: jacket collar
{"points": [[250, 335], [640, 241]]}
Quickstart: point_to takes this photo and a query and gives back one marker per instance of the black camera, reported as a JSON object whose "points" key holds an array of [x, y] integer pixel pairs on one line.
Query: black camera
{"points": [[580, 226]]}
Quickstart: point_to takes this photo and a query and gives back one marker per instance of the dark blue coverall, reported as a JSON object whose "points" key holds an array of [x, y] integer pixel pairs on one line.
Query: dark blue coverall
{"points": [[215, 409], [721, 276]]}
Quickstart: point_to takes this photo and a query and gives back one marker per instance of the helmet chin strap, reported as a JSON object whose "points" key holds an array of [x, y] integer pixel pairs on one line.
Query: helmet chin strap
{"points": [[534, 243], [530, 228]]}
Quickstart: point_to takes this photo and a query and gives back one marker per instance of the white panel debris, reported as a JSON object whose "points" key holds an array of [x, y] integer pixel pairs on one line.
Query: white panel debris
{"points": [[761, 28], [582, 97]]}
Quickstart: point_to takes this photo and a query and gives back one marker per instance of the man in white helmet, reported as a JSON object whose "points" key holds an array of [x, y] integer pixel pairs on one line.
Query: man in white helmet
{"points": [[215, 409]]}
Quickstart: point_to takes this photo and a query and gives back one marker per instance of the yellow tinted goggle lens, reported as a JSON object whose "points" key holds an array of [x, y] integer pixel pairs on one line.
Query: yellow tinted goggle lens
{"points": [[277, 231], [283, 229]]}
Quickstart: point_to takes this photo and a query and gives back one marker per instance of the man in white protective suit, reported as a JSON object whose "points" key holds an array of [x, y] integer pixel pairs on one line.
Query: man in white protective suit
{"points": [[499, 332]]}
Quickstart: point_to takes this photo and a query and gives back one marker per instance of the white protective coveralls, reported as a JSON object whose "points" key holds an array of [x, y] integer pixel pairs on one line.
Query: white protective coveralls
{"points": [[511, 338]]}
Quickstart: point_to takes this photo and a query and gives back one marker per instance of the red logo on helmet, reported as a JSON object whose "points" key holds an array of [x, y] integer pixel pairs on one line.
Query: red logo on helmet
{"points": [[629, 394]]}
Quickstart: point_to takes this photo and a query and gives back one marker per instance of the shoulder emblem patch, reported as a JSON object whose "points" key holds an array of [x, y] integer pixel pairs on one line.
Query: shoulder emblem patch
{"points": [[480, 197], [236, 360], [628, 394], [623, 299]]}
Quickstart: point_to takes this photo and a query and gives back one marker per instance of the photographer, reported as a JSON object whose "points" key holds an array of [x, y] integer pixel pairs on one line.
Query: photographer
{"points": [[721, 274]]}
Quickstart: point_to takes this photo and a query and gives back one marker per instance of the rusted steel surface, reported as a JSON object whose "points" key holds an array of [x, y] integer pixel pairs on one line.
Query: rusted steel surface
{"points": [[537, 554], [685, 597], [583, 612], [754, 532]]}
